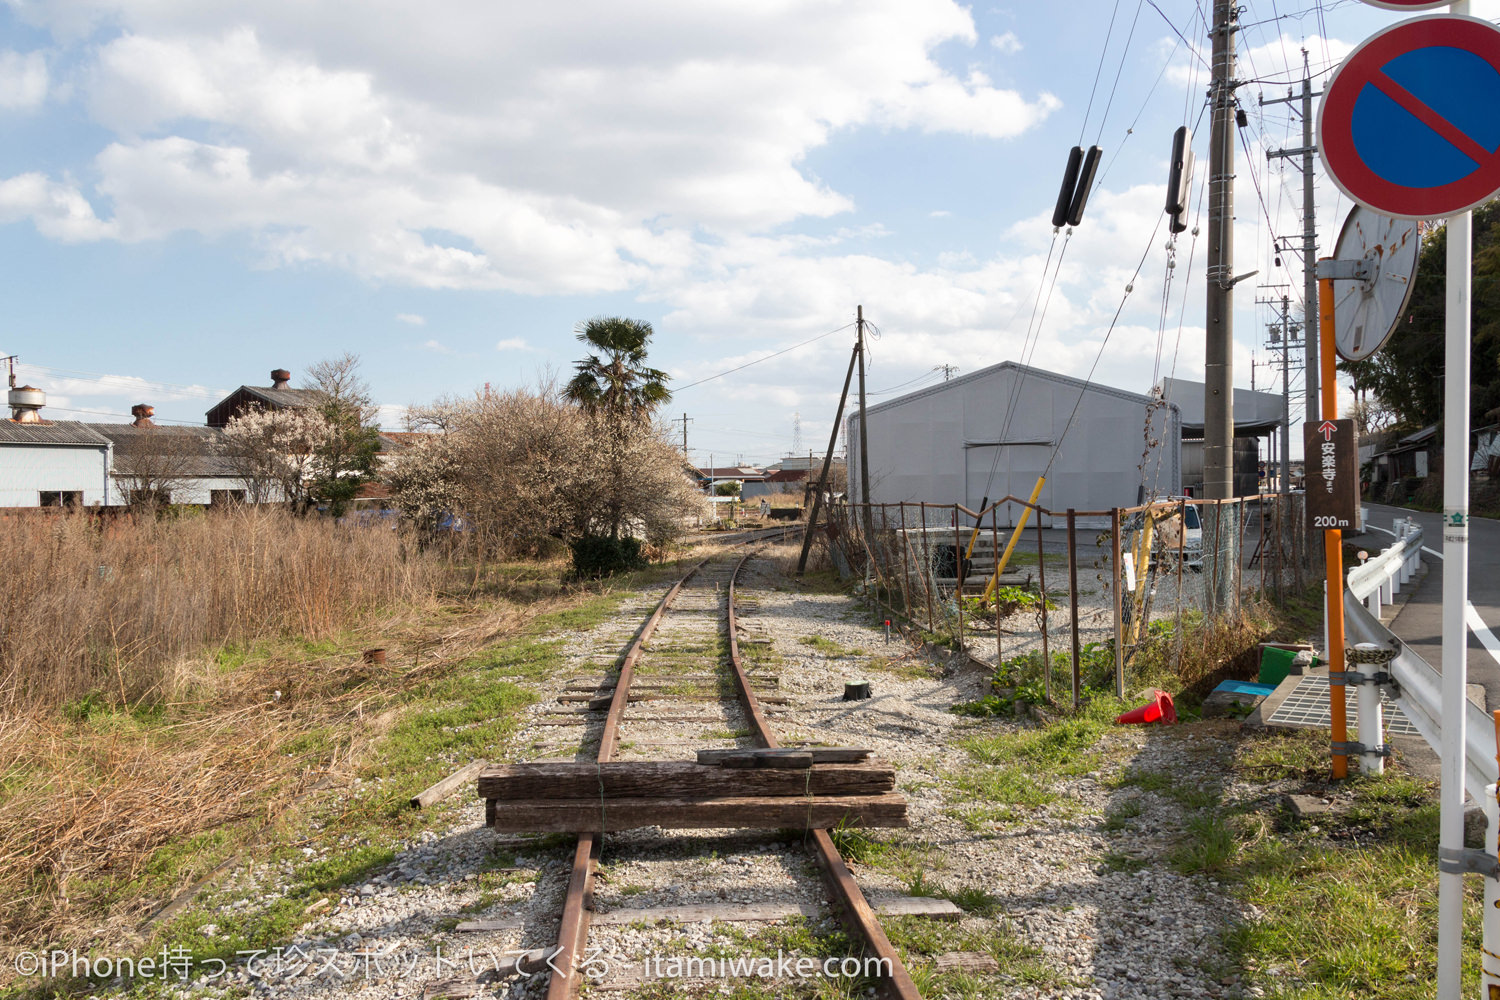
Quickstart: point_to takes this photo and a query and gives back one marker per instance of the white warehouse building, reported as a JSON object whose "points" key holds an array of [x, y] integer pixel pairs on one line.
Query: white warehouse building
{"points": [[991, 433]]}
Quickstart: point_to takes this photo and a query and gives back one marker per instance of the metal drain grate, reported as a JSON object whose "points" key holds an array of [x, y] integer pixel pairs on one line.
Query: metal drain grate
{"points": [[1307, 707]]}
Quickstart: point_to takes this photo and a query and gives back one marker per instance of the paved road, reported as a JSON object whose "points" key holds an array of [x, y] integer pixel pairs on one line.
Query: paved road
{"points": [[1419, 623]]}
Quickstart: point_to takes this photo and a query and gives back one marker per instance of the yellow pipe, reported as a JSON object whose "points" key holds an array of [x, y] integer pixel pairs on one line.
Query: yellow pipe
{"points": [[1015, 537]]}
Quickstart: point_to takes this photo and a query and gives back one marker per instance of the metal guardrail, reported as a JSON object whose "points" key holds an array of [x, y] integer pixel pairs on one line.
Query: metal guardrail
{"points": [[1380, 579], [1417, 691]]}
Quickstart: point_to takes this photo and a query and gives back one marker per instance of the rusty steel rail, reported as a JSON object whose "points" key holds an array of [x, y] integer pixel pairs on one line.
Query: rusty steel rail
{"points": [[858, 916], [578, 906]]}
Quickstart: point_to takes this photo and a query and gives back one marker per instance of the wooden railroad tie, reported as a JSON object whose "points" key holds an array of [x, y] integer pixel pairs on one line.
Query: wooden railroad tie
{"points": [[742, 789]]}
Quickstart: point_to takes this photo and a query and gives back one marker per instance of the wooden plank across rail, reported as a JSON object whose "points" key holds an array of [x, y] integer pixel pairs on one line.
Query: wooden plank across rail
{"points": [[816, 789]]}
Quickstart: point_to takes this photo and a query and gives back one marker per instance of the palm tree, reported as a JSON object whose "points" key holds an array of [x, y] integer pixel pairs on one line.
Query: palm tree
{"points": [[615, 381], [618, 391]]}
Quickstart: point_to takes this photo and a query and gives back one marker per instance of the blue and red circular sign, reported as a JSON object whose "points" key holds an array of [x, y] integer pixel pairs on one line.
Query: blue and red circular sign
{"points": [[1410, 122], [1408, 5]]}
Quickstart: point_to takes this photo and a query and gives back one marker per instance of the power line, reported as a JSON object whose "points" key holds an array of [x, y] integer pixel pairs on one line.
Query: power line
{"points": [[757, 361]]}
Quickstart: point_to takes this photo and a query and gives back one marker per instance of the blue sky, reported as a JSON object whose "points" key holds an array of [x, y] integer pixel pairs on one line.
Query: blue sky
{"points": [[193, 194]]}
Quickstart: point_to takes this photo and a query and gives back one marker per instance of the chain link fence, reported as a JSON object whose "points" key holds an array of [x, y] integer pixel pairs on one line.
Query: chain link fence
{"points": [[1107, 600]]}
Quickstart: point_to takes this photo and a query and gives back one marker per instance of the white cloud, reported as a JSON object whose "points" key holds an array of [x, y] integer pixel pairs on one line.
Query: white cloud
{"points": [[438, 347], [23, 80], [411, 319], [1007, 43], [59, 211], [939, 213], [514, 344], [473, 145]]}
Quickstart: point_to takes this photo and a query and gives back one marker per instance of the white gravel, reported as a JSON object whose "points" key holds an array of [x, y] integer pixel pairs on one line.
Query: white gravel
{"points": [[1105, 934]]}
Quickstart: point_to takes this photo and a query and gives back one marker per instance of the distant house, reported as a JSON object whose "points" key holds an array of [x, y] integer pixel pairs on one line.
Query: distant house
{"points": [[185, 465], [1410, 458], [276, 396], [780, 481], [741, 474], [47, 463]]}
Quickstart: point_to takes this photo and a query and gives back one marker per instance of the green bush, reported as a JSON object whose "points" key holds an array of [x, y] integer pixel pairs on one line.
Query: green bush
{"points": [[599, 555]]}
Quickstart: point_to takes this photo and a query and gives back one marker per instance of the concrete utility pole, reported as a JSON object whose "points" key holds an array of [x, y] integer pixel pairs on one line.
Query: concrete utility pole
{"points": [[864, 426], [1310, 358], [1282, 338], [685, 422], [1218, 392]]}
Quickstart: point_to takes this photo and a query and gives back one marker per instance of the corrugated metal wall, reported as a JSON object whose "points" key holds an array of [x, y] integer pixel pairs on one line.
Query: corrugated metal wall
{"points": [[944, 444], [26, 471]]}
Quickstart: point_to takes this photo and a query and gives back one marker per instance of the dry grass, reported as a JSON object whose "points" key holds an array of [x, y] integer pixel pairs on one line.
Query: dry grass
{"points": [[111, 607], [158, 711]]}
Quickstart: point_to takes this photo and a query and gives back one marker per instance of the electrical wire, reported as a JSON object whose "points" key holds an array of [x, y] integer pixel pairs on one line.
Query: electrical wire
{"points": [[768, 357], [124, 416], [1115, 88], [1098, 71], [1198, 55], [1105, 343]]}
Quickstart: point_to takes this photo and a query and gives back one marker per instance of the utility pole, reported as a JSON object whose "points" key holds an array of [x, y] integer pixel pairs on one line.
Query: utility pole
{"points": [[948, 371], [864, 428], [1310, 361], [1218, 392], [685, 421], [822, 483], [1282, 338]]}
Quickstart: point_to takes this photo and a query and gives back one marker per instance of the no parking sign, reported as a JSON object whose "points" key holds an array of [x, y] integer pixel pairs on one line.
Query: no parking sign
{"points": [[1410, 122]]}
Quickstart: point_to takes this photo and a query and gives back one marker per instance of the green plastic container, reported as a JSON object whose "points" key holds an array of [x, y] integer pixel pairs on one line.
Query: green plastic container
{"points": [[1275, 664]]}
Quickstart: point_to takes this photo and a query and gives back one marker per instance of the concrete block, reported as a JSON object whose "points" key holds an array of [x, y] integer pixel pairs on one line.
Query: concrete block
{"points": [[1308, 806], [1221, 704]]}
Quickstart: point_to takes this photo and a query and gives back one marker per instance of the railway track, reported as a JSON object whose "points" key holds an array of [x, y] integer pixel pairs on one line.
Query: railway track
{"points": [[683, 673]]}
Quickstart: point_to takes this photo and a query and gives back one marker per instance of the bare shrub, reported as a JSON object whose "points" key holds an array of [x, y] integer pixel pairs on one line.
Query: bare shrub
{"points": [[271, 452], [524, 468], [109, 606]]}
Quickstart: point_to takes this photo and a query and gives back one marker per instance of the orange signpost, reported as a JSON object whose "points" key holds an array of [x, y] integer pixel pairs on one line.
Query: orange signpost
{"points": [[1333, 546]]}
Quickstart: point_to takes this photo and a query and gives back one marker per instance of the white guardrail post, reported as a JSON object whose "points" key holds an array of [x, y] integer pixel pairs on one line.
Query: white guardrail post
{"points": [[1379, 580], [1417, 690], [1371, 662]]}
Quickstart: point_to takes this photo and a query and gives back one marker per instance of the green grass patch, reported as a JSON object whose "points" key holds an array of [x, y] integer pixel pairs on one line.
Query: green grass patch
{"points": [[1347, 904], [1279, 754], [920, 940]]}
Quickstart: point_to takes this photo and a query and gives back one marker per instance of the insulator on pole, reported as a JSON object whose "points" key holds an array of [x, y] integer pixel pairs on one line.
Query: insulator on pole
{"points": [[1180, 178], [1085, 182], [1069, 185]]}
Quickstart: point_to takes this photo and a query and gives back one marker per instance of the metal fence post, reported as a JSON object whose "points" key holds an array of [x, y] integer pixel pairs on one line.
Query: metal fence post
{"points": [[905, 566], [1041, 569], [958, 578], [927, 573], [1073, 602], [995, 545], [1114, 588]]}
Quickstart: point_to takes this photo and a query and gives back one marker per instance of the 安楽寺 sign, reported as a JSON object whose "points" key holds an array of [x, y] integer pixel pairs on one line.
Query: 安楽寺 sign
{"points": [[1332, 477], [1408, 125]]}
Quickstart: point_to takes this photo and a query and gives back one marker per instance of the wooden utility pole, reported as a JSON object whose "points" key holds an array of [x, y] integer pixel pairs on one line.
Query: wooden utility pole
{"points": [[864, 426], [817, 502]]}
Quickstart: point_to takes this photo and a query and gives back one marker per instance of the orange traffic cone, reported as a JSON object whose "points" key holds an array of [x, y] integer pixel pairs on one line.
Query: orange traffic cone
{"points": [[1159, 709]]}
